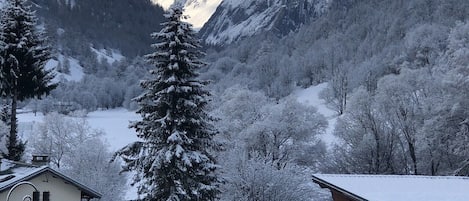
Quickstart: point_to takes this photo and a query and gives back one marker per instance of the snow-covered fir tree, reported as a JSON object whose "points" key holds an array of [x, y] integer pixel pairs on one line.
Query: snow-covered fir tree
{"points": [[23, 54], [5, 116], [172, 161]]}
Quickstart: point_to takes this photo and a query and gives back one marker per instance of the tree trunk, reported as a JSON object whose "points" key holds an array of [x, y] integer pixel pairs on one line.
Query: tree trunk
{"points": [[413, 156], [13, 127]]}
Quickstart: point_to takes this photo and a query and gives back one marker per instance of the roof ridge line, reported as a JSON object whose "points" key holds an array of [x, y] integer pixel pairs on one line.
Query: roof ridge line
{"points": [[396, 176]]}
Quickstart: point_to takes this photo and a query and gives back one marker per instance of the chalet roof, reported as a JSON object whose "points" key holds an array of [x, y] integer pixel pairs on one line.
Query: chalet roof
{"points": [[12, 173], [397, 187]]}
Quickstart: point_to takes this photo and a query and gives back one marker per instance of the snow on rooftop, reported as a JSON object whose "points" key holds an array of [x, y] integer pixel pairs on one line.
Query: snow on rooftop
{"points": [[5, 166], [401, 187], [11, 172]]}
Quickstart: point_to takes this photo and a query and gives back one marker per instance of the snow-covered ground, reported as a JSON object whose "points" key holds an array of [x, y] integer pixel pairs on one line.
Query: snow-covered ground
{"points": [[115, 122], [110, 56], [76, 70], [310, 96]]}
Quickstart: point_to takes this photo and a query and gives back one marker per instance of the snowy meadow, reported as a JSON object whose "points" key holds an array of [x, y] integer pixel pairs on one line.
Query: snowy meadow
{"points": [[114, 124]]}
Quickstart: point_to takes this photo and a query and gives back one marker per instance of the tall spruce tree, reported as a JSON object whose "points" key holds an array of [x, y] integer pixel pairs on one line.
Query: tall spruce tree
{"points": [[23, 53], [172, 161]]}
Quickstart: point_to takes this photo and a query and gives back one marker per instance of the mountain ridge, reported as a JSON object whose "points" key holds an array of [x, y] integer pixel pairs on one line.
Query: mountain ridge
{"points": [[234, 19], [199, 11]]}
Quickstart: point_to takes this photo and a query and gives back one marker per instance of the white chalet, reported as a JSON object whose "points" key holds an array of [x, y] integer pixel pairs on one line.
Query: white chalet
{"points": [[18, 179]]}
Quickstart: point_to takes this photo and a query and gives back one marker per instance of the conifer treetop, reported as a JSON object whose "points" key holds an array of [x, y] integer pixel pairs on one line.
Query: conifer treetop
{"points": [[172, 160], [23, 52]]}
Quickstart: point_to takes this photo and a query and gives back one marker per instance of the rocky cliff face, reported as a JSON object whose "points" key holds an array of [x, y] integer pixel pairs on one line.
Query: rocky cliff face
{"points": [[198, 10], [237, 19]]}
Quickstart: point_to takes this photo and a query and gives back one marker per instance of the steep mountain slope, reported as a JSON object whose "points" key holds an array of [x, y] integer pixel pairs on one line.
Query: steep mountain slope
{"points": [[198, 10], [124, 25], [96, 48], [236, 19]]}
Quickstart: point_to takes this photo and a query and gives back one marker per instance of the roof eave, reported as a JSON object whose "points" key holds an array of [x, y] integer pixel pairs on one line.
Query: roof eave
{"points": [[87, 190], [324, 184]]}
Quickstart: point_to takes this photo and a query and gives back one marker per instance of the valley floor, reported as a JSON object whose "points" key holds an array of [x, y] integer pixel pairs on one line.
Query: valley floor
{"points": [[115, 123]]}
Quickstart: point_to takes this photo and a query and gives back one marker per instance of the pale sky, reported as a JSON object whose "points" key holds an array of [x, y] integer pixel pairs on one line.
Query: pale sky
{"points": [[199, 14]]}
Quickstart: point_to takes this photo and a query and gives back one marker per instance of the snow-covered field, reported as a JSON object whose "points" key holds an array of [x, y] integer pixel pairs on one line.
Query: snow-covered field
{"points": [[115, 122]]}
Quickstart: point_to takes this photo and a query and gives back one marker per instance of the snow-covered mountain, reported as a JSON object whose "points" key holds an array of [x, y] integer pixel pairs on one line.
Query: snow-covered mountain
{"points": [[235, 19], [198, 10]]}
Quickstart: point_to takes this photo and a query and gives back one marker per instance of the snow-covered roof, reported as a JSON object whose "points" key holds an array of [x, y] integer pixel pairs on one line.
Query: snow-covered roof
{"points": [[397, 187], [12, 173]]}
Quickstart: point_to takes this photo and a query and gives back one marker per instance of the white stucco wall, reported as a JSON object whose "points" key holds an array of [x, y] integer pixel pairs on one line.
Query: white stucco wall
{"points": [[59, 189]]}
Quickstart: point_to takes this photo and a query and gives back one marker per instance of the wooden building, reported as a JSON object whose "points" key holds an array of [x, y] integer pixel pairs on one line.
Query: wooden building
{"points": [[49, 184], [394, 187]]}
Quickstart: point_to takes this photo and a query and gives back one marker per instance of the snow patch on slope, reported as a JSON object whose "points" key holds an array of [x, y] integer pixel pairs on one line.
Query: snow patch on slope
{"points": [[110, 56], [249, 27], [199, 11], [76, 70], [236, 19], [164, 3], [310, 96]]}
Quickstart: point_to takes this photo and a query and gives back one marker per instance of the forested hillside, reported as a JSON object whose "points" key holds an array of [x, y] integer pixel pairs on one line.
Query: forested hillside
{"points": [[96, 51], [122, 25], [397, 75]]}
